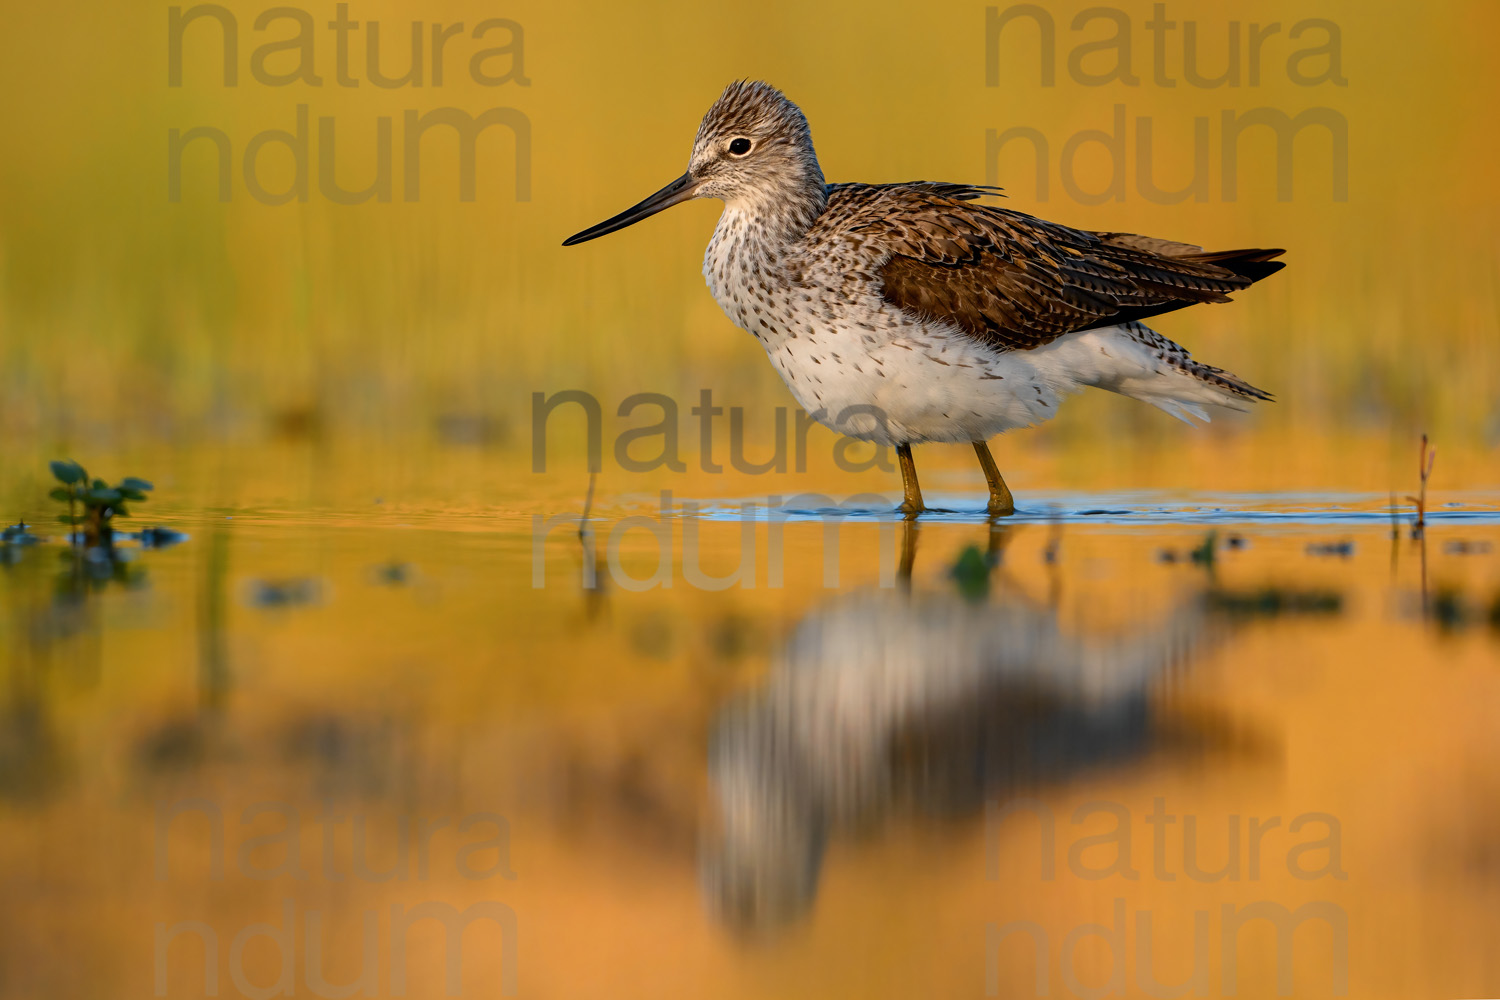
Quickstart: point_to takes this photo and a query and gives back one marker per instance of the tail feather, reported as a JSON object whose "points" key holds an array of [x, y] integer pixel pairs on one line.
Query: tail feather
{"points": [[1252, 264], [1136, 361], [1220, 377]]}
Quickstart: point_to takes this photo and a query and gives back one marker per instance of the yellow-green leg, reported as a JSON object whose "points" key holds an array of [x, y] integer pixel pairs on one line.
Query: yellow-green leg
{"points": [[1001, 502], [908, 550], [911, 503]]}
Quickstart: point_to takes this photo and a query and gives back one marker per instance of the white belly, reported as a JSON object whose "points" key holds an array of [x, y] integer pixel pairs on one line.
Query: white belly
{"points": [[915, 385]]}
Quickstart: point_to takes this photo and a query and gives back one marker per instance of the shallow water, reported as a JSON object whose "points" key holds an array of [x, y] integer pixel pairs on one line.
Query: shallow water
{"points": [[910, 769], [1472, 507]]}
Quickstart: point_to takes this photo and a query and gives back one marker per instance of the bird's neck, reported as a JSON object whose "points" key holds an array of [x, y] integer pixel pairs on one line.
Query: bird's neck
{"points": [[755, 246], [781, 213]]}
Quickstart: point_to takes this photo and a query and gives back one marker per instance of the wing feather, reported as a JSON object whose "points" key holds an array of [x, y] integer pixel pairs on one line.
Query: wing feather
{"points": [[1018, 282]]}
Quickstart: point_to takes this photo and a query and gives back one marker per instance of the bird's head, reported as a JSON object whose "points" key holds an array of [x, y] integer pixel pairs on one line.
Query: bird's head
{"points": [[753, 151], [753, 145]]}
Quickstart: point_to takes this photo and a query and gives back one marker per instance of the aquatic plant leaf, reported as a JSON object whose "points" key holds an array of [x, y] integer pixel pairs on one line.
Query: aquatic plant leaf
{"points": [[61, 494], [68, 472], [1203, 555], [971, 573], [131, 494], [104, 495], [132, 483]]}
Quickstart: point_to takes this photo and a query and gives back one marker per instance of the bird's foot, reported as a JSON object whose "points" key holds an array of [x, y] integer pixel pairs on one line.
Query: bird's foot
{"points": [[1001, 506]]}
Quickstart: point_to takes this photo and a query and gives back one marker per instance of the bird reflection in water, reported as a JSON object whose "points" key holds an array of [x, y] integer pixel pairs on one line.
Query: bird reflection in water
{"points": [[908, 701]]}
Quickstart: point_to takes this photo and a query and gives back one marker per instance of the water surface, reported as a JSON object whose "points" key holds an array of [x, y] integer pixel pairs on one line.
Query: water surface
{"points": [[924, 777]]}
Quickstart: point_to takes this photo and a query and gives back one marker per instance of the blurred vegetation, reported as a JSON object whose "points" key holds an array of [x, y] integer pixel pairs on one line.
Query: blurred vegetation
{"points": [[127, 320]]}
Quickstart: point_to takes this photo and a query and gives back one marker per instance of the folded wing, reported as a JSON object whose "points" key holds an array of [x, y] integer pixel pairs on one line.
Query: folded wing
{"points": [[1018, 282]]}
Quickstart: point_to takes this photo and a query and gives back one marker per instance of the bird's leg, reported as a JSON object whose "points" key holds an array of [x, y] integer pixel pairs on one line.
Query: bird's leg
{"points": [[911, 502], [908, 550], [1000, 537], [1001, 502]]}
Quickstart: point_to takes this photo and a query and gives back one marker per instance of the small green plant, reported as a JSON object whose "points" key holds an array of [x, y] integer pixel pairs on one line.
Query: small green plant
{"points": [[1207, 550], [93, 505], [971, 573]]}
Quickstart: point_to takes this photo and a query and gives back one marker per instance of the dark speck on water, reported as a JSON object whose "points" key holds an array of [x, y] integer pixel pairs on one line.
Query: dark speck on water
{"points": [[176, 744], [284, 593], [160, 538], [1453, 610], [394, 573], [1449, 610], [1344, 549], [18, 534], [1273, 602]]}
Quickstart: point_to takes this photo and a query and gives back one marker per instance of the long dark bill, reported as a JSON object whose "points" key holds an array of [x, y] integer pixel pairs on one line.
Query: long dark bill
{"points": [[680, 190]]}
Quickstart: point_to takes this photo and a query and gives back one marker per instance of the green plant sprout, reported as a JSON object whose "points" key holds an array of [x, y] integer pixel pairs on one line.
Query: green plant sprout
{"points": [[100, 502]]}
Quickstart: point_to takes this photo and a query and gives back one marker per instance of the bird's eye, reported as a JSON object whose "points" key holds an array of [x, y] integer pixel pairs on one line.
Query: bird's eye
{"points": [[739, 147]]}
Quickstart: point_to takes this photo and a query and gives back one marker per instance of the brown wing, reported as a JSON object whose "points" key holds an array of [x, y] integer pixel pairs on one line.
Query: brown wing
{"points": [[1018, 282]]}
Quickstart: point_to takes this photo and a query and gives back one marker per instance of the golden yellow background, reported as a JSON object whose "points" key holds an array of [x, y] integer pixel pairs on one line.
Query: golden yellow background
{"points": [[135, 321], [320, 388]]}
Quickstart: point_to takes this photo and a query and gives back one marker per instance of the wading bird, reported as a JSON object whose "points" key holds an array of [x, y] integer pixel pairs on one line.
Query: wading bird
{"points": [[908, 313], [886, 705]]}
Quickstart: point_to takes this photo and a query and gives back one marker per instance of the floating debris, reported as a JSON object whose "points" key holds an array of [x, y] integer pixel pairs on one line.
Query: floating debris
{"points": [[1464, 547], [159, 538], [1343, 549], [18, 534], [1451, 610], [394, 574], [1274, 602], [284, 593], [1204, 554]]}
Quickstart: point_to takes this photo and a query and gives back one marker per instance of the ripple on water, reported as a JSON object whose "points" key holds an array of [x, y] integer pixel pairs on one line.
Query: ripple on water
{"points": [[1268, 510]]}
